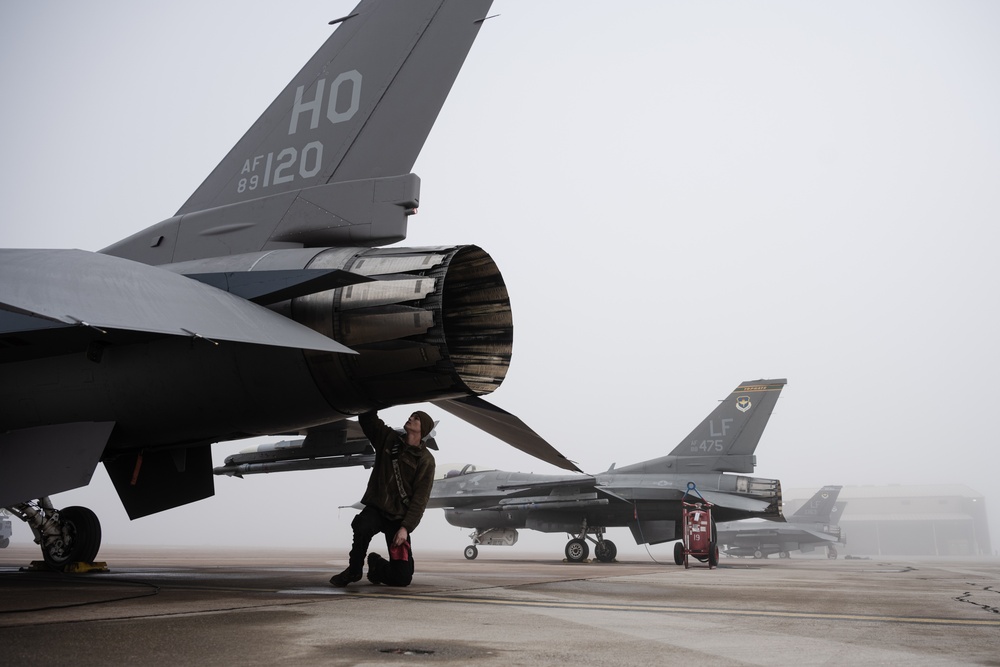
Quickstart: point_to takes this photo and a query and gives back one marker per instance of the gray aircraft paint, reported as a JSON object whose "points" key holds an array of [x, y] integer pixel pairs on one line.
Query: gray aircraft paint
{"points": [[166, 365], [813, 524], [646, 497]]}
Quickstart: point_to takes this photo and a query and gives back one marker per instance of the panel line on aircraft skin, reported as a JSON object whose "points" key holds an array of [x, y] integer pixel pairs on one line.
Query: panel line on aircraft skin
{"points": [[587, 606]]}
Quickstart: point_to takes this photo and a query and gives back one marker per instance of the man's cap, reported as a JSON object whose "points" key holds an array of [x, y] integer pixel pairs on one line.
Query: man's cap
{"points": [[426, 426]]}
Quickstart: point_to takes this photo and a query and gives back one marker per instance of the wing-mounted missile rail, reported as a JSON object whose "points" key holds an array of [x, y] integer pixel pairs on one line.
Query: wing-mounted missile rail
{"points": [[336, 445]]}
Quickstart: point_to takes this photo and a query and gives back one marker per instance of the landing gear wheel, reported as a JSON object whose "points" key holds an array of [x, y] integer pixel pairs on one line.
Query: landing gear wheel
{"points": [[831, 553], [784, 554], [471, 552], [758, 553], [678, 553], [4, 542], [577, 550], [81, 538], [605, 551]]}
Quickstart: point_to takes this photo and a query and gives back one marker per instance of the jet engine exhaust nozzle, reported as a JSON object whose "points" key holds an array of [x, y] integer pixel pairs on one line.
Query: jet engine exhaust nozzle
{"points": [[435, 324]]}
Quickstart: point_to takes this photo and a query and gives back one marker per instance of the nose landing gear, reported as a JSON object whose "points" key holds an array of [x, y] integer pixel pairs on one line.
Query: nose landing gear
{"points": [[500, 537]]}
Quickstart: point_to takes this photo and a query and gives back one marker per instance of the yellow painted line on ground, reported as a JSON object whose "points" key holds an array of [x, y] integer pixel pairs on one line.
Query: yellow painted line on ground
{"points": [[682, 610]]}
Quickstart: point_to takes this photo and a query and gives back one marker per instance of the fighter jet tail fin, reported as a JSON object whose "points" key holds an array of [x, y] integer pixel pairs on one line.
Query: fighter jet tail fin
{"points": [[818, 509], [337, 144], [725, 441], [838, 512], [360, 108]]}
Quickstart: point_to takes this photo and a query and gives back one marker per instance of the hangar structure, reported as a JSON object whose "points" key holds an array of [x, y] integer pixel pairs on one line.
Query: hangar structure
{"points": [[909, 520]]}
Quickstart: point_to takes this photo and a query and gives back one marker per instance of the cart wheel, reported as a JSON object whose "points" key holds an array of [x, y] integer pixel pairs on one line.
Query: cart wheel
{"points": [[678, 553], [713, 554], [471, 552], [577, 550]]}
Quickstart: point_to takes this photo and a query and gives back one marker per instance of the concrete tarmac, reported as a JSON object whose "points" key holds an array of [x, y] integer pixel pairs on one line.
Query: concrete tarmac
{"points": [[160, 606]]}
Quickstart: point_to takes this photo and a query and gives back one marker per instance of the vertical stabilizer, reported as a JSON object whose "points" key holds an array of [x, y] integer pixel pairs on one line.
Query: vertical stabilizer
{"points": [[328, 163], [361, 108], [725, 441], [838, 512], [819, 508]]}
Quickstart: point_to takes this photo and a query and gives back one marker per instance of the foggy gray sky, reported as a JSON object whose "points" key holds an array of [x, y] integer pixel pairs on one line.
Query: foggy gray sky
{"points": [[681, 196]]}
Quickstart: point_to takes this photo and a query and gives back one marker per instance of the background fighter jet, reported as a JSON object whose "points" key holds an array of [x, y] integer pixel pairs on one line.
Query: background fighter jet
{"points": [[646, 497], [266, 304], [5, 530], [814, 524]]}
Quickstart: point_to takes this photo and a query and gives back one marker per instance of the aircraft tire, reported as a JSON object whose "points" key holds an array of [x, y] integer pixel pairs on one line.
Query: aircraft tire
{"points": [[713, 554], [4, 542], [758, 553], [606, 551], [83, 530], [784, 554], [678, 553], [471, 552], [577, 550]]}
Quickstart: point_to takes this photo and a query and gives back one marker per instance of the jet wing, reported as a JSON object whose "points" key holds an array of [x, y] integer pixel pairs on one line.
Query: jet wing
{"points": [[630, 492], [551, 484], [552, 493], [503, 425], [46, 289], [820, 536]]}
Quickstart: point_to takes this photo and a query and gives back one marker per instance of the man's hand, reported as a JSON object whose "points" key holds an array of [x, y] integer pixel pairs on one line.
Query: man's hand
{"points": [[400, 537]]}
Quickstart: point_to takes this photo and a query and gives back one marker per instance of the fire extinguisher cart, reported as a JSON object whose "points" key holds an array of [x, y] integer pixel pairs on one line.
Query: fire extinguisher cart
{"points": [[699, 541]]}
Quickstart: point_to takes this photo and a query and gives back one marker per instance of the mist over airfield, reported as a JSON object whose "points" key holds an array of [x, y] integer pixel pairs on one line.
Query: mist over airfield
{"points": [[680, 196]]}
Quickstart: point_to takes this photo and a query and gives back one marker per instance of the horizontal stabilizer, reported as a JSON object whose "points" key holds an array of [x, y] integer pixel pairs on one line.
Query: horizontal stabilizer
{"points": [[108, 292], [264, 287], [734, 502], [820, 536], [502, 425]]}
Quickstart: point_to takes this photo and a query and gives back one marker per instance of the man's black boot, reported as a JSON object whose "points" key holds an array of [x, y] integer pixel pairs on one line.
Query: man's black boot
{"points": [[348, 576]]}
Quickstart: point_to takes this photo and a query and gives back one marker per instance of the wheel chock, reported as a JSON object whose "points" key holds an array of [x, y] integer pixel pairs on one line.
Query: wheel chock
{"points": [[68, 568]]}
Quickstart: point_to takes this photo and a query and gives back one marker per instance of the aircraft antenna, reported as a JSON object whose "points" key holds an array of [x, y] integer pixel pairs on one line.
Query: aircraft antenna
{"points": [[342, 19]]}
